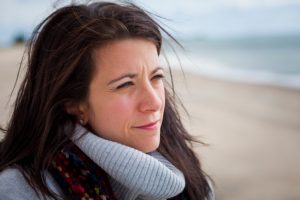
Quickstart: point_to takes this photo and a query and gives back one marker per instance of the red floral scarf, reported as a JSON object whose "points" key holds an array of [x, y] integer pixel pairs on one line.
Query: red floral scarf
{"points": [[80, 178]]}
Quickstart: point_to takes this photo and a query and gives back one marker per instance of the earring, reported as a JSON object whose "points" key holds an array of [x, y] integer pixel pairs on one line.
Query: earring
{"points": [[81, 121]]}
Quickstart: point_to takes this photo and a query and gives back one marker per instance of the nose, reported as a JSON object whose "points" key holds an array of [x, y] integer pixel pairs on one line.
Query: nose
{"points": [[150, 99]]}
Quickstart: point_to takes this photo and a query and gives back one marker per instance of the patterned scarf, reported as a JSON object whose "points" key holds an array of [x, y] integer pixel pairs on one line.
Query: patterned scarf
{"points": [[82, 179], [79, 177]]}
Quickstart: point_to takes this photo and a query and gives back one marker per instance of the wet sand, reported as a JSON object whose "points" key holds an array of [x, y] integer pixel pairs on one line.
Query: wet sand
{"points": [[253, 131]]}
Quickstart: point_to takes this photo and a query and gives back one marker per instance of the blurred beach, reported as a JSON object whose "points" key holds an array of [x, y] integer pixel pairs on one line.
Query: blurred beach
{"points": [[253, 136], [253, 129], [270, 59]]}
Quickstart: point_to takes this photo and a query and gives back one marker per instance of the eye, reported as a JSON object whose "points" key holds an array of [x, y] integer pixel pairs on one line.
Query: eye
{"points": [[125, 85], [158, 77]]}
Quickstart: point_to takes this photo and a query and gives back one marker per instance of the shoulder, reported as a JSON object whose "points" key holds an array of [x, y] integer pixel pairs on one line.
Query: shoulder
{"points": [[212, 195], [11, 177], [14, 186]]}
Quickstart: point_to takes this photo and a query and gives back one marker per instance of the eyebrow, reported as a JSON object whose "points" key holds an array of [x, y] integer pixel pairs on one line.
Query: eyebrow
{"points": [[131, 75]]}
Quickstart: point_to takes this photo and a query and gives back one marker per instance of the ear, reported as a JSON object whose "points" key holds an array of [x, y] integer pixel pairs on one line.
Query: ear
{"points": [[80, 110]]}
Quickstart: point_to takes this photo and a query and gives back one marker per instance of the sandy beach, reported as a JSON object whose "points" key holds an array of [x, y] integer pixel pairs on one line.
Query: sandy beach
{"points": [[253, 131]]}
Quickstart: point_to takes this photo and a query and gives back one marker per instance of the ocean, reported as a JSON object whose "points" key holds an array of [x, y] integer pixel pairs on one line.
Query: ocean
{"points": [[271, 60]]}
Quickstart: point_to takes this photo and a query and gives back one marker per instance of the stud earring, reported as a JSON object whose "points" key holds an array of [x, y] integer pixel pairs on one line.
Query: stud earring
{"points": [[81, 121]]}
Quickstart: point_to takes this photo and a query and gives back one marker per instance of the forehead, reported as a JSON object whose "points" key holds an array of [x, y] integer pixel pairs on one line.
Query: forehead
{"points": [[127, 54]]}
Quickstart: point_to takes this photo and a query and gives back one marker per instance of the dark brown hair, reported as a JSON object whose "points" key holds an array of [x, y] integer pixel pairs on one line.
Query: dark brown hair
{"points": [[59, 70]]}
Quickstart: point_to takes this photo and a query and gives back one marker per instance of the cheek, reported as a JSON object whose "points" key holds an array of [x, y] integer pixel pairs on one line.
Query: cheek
{"points": [[112, 113], [121, 107], [163, 98]]}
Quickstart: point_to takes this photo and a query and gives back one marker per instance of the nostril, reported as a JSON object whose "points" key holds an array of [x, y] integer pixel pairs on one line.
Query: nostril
{"points": [[151, 100]]}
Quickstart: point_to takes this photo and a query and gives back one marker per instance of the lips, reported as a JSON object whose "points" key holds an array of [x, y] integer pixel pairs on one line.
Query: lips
{"points": [[150, 126]]}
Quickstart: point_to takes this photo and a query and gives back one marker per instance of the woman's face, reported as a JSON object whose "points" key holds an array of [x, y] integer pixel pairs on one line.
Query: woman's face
{"points": [[126, 95]]}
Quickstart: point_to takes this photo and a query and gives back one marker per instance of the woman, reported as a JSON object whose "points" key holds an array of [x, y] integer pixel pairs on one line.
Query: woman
{"points": [[93, 119]]}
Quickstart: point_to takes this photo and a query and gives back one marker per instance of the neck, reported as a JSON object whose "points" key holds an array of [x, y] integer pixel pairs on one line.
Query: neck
{"points": [[133, 174]]}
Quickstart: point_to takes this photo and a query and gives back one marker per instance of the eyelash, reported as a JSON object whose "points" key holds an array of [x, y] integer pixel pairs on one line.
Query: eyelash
{"points": [[158, 76], [124, 85], [129, 83]]}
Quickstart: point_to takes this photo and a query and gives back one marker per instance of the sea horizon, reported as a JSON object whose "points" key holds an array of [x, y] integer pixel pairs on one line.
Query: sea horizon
{"points": [[268, 59]]}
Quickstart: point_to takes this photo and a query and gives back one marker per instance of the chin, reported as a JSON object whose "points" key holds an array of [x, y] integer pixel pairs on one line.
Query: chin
{"points": [[150, 147]]}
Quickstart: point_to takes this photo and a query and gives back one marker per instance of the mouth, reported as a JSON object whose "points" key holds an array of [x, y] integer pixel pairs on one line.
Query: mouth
{"points": [[150, 126]]}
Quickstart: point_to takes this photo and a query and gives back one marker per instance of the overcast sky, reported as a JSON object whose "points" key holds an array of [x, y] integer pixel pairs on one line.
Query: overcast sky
{"points": [[211, 18]]}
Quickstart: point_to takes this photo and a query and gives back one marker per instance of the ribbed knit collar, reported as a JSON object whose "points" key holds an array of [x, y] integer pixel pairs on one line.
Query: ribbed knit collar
{"points": [[133, 174]]}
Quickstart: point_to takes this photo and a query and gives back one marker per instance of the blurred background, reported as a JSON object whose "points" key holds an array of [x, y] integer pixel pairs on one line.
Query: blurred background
{"points": [[241, 84]]}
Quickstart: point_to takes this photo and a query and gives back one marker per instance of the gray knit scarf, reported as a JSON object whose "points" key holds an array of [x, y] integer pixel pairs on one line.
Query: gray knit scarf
{"points": [[133, 174]]}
